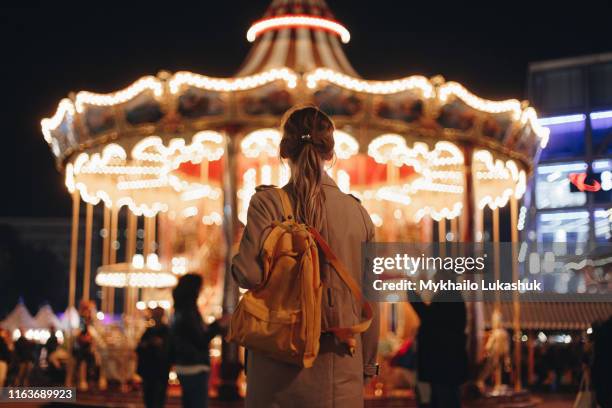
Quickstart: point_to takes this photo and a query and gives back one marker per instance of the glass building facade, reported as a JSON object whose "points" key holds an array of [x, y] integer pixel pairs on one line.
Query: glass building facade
{"points": [[570, 195]]}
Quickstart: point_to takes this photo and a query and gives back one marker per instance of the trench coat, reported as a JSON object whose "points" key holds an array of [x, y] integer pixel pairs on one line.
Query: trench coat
{"points": [[337, 377]]}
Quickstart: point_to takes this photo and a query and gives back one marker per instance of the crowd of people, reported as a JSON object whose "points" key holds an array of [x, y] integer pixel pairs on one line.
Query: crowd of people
{"points": [[23, 359]]}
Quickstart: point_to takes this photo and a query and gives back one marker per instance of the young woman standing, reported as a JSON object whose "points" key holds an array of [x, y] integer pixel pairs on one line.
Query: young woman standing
{"points": [[337, 376]]}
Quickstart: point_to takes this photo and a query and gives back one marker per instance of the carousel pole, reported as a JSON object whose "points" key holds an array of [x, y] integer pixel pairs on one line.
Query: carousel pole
{"points": [[87, 266], [74, 242], [469, 233], [230, 365], [442, 230], [102, 380], [105, 254], [112, 258], [130, 249], [496, 265], [497, 375], [516, 315]]}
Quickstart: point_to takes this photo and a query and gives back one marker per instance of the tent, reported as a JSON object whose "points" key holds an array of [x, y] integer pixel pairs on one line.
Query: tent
{"points": [[69, 319], [19, 317], [45, 318]]}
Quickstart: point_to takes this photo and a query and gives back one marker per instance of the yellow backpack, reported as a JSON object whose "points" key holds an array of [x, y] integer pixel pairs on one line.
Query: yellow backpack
{"points": [[282, 317]]}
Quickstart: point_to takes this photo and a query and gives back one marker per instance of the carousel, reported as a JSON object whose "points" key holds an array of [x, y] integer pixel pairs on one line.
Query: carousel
{"points": [[172, 160]]}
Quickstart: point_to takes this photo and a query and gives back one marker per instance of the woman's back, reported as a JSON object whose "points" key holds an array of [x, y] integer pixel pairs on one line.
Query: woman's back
{"points": [[336, 377]]}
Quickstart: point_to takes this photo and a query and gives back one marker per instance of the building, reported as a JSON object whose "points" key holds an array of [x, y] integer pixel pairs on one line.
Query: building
{"points": [[570, 199]]}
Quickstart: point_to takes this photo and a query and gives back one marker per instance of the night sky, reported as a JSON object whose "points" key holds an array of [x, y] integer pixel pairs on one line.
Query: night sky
{"points": [[46, 54]]}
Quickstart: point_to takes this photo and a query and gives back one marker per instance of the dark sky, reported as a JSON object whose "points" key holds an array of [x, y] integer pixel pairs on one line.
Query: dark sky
{"points": [[48, 53]]}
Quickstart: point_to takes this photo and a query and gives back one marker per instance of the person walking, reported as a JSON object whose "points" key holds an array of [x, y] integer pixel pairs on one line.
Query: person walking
{"points": [[337, 375], [190, 338], [154, 360], [24, 354], [442, 346], [5, 356]]}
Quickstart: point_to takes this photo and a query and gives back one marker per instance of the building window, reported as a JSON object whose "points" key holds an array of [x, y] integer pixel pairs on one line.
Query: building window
{"points": [[566, 226], [600, 85], [603, 225], [601, 125], [552, 185], [566, 137], [559, 90]]}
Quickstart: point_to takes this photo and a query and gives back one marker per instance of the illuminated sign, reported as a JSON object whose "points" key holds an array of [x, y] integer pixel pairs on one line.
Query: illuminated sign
{"points": [[592, 182]]}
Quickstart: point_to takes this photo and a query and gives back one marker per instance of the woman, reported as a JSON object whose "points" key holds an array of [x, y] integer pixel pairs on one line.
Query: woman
{"points": [[336, 378], [190, 341]]}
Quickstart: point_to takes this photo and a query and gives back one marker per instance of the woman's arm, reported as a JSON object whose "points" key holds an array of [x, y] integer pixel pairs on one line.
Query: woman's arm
{"points": [[246, 265]]}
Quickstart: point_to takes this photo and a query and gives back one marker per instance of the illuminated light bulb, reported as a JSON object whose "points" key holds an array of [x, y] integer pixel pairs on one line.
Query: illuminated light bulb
{"points": [[152, 304], [297, 20], [375, 87], [606, 180], [388, 147], [345, 145], [145, 83], [229, 85], [189, 212], [456, 89], [153, 262], [213, 218], [179, 265], [266, 174], [100, 315], [65, 107], [140, 305], [376, 220], [138, 261], [262, 141], [344, 181]]}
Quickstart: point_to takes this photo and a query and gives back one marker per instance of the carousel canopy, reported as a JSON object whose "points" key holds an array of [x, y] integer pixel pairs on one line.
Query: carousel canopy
{"points": [[158, 145], [299, 35]]}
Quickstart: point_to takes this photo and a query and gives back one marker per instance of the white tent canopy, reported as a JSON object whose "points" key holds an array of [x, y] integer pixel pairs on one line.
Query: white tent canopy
{"points": [[19, 318], [45, 318]]}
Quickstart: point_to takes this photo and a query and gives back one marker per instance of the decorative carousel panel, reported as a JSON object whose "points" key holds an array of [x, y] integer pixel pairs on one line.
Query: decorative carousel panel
{"points": [[271, 99], [99, 119], [152, 177], [337, 101], [195, 103], [406, 107], [419, 180], [59, 131], [142, 109], [496, 180], [259, 164], [457, 115], [528, 141]]}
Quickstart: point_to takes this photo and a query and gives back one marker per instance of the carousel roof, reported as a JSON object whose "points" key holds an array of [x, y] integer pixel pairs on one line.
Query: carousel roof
{"points": [[298, 34], [157, 144]]}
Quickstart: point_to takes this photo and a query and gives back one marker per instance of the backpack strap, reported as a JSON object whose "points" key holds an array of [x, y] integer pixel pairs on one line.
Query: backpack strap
{"points": [[286, 203], [345, 334]]}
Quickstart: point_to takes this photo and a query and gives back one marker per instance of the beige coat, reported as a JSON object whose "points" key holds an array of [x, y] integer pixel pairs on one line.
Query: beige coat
{"points": [[336, 379]]}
